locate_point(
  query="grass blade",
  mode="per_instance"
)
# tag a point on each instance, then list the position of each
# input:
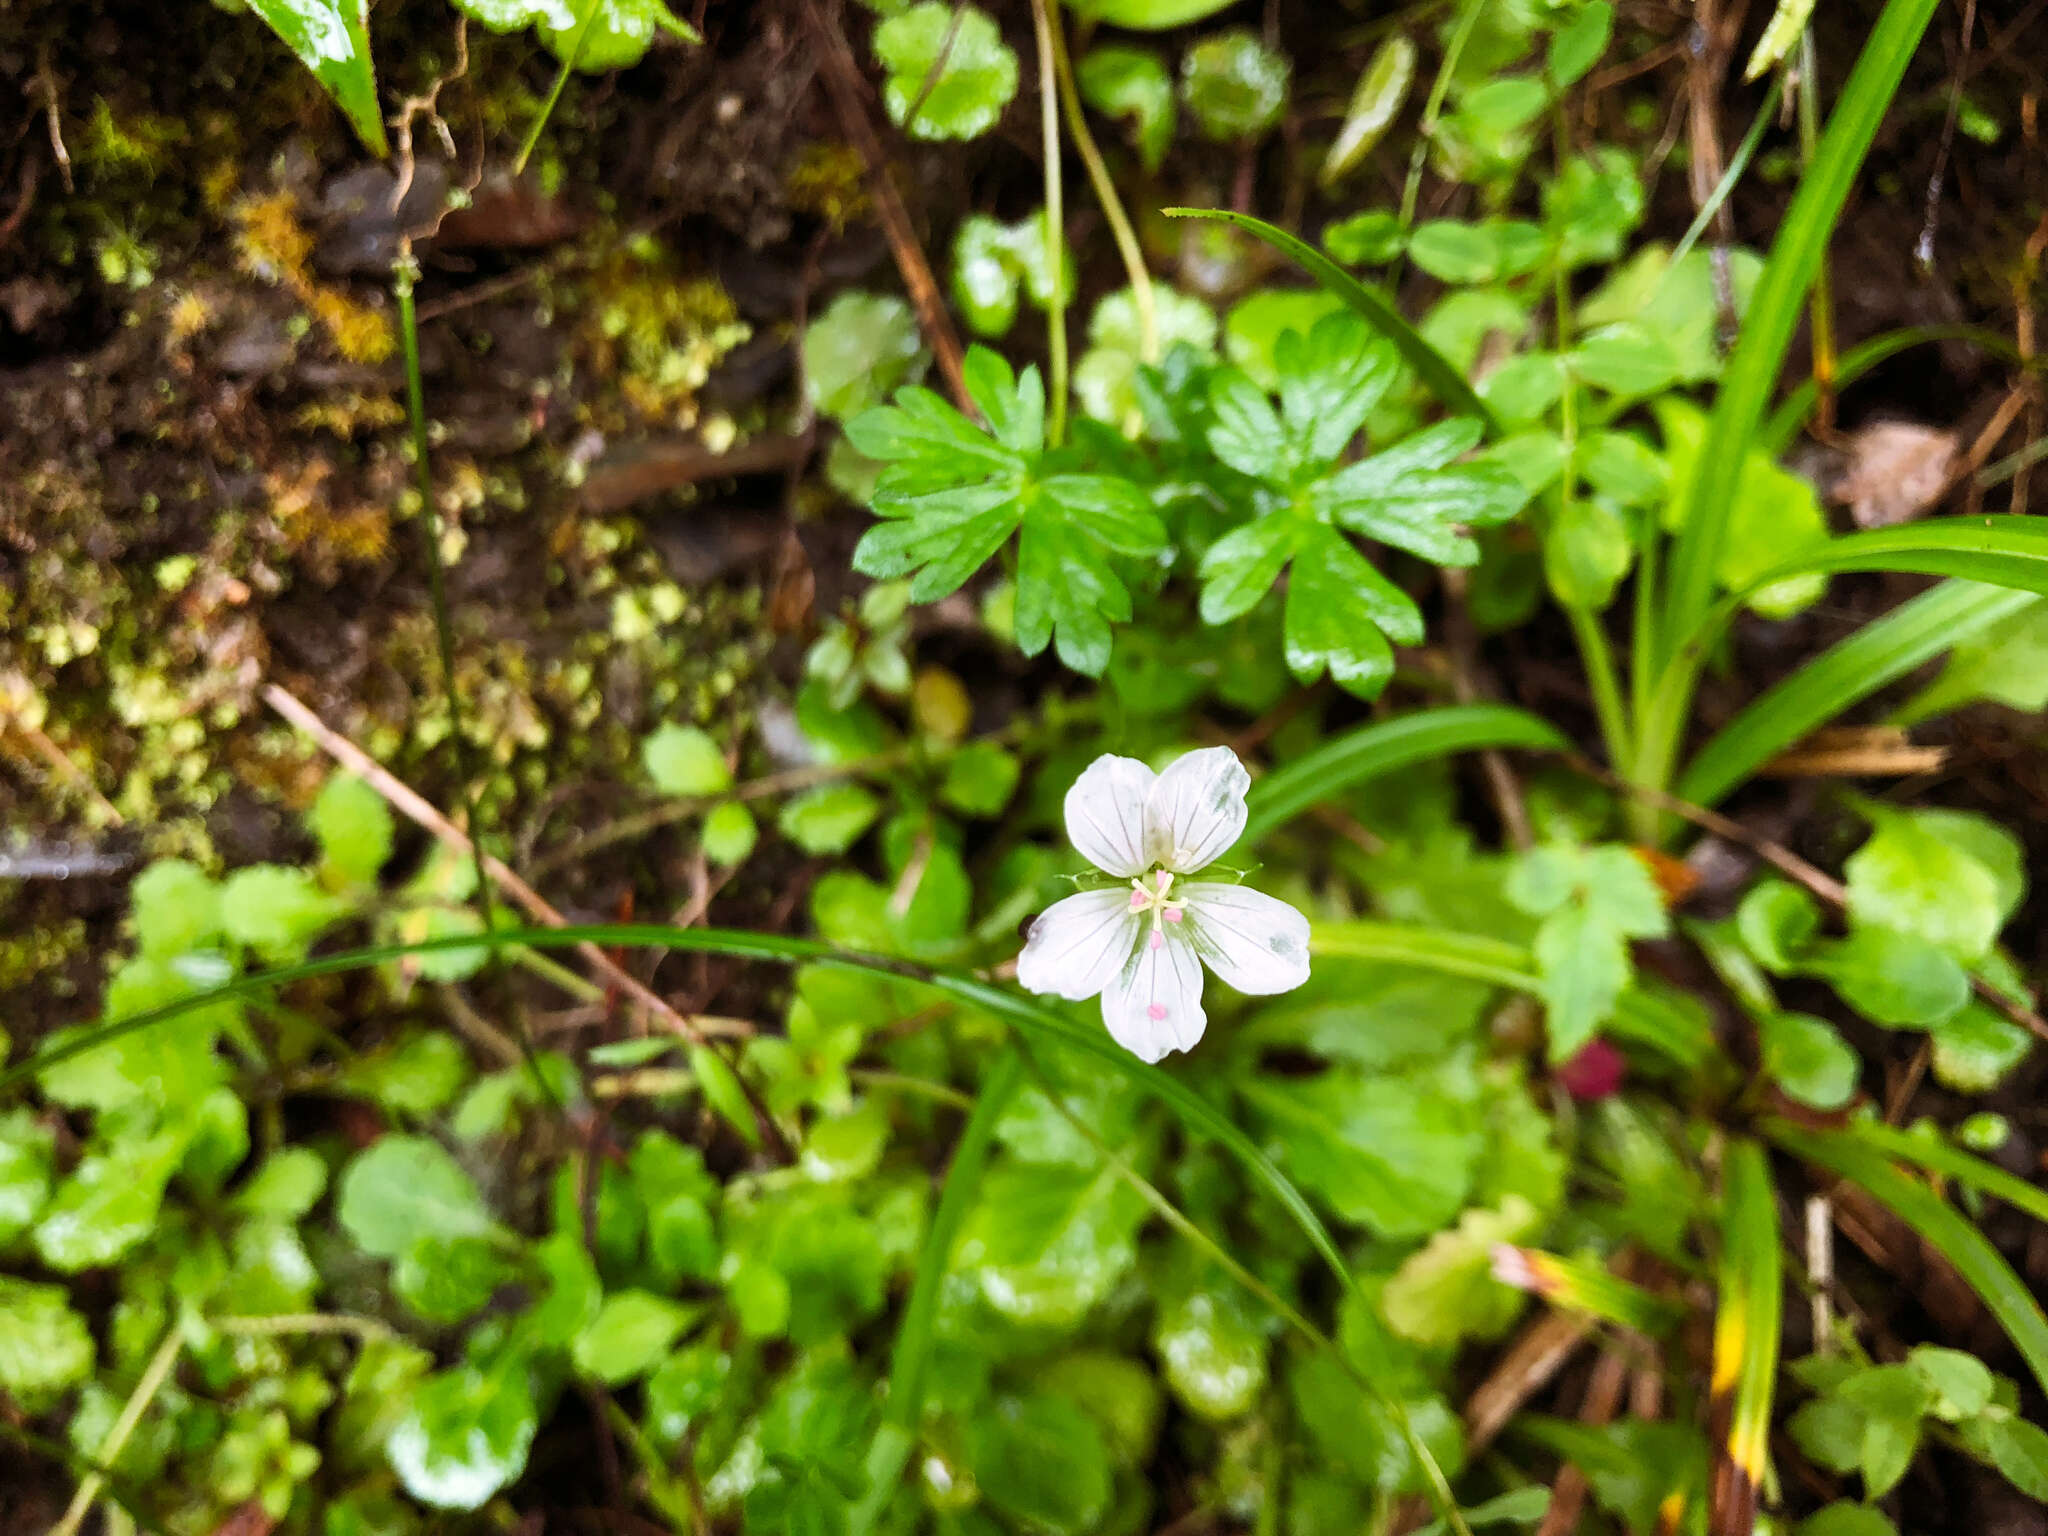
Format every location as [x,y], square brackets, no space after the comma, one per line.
[1684,1037]
[910,1360]
[1385,746]
[1777,433]
[1955,1235]
[1746,1331]
[1430,365]
[1945,1158]
[1878,654]
[1775,308]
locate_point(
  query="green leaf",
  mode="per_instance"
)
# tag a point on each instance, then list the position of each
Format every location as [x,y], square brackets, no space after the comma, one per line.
[1041,1461]
[858,352]
[1396,1152]
[1105,379]
[1210,1344]
[276,911]
[828,819]
[1438,375]
[111,1202]
[448,1278]
[1146,15]
[1047,1243]
[176,908]
[980,779]
[630,1336]
[1445,1292]
[1592,206]
[596,35]
[1961,1382]
[466,1435]
[332,39]
[1788,20]
[1340,614]
[1578,45]
[1592,902]
[951,64]
[993,262]
[1376,101]
[2020,1451]
[287,1185]
[1892,978]
[2003,658]
[1366,239]
[1118,1393]
[1915,875]
[354,829]
[1132,83]
[1845,1519]
[689,1383]
[684,761]
[1808,1058]
[404,1189]
[1359,1434]
[1234,85]
[729,834]
[1976,1047]
[416,1075]
[1587,549]
[162,1068]
[45,1347]
[26,1164]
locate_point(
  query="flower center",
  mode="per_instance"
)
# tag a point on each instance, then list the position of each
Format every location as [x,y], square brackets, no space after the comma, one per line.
[1158,900]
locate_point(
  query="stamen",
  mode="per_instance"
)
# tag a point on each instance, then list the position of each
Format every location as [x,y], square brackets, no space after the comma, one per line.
[1140,900]
[1156,940]
[1173,914]
[1156,1012]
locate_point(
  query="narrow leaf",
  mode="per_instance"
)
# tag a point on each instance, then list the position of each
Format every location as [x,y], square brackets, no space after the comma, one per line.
[332,39]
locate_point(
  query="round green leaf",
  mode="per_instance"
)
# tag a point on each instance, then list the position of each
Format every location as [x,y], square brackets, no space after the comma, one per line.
[685,761]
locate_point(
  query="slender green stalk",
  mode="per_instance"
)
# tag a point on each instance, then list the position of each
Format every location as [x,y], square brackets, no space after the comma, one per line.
[910,1360]
[1055,225]
[1744,153]
[404,275]
[1608,704]
[1433,108]
[1120,227]
[1821,308]
[547,108]
[147,1386]
[283,1324]
[1747,1325]
[1784,423]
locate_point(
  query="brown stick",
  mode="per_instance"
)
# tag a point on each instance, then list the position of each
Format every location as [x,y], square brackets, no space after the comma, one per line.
[843,83]
[408,803]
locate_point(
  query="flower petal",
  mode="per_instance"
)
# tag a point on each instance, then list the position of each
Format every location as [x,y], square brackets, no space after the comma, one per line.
[1079,943]
[1106,815]
[1196,810]
[1155,1003]
[1253,942]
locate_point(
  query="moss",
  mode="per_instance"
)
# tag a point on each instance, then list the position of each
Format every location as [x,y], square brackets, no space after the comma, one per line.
[829,182]
[654,328]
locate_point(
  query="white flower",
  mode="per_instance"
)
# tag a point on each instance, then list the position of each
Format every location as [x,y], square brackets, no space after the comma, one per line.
[1142,945]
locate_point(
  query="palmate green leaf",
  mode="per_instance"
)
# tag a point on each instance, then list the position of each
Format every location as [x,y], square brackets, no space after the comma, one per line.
[1341,614]
[332,39]
[1443,380]
[1592,901]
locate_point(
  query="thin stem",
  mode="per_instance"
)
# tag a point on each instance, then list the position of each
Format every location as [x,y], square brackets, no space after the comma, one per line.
[277,1324]
[404,274]
[547,108]
[153,1377]
[1820,306]
[1055,226]
[1425,133]
[942,1093]
[1743,154]
[1598,656]
[1120,227]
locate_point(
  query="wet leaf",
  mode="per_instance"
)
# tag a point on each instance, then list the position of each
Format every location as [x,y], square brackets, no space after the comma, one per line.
[1041,1461]
[466,1435]
[683,760]
[1132,83]
[1376,101]
[332,39]
[957,77]
[354,829]
[45,1347]
[1234,85]
[406,1189]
